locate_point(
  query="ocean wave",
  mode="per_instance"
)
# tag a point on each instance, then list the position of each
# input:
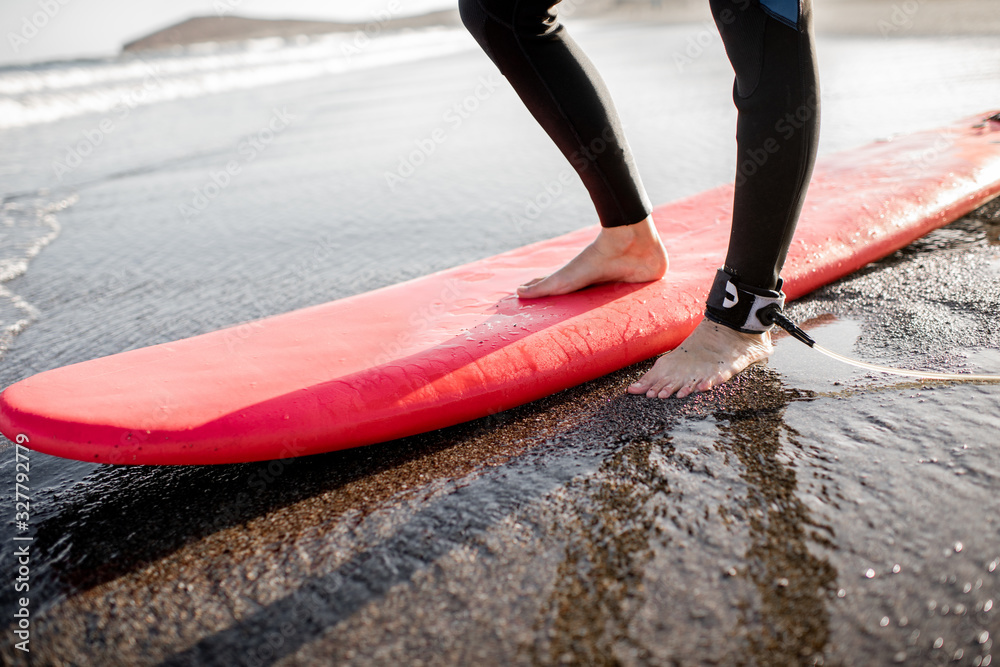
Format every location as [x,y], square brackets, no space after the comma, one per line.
[27,224]
[51,92]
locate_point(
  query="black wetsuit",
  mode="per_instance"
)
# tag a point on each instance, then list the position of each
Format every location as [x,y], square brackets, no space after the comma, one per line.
[770,45]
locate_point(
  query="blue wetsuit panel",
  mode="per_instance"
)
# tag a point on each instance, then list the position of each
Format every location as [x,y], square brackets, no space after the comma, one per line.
[786,11]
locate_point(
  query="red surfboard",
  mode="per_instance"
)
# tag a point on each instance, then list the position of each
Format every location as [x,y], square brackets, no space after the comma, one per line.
[458,344]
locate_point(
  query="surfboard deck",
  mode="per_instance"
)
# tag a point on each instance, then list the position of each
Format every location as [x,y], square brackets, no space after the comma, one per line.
[458,344]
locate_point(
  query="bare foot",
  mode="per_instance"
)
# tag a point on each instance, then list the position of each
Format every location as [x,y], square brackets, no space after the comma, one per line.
[632,254]
[708,357]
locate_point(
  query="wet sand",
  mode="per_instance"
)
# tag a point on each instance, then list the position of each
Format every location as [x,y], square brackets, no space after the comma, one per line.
[806,513]
[791,517]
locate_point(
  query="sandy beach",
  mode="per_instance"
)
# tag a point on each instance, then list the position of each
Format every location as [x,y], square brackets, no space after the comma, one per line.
[808,513]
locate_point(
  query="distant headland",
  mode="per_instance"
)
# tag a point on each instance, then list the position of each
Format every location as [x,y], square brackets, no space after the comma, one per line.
[221,29]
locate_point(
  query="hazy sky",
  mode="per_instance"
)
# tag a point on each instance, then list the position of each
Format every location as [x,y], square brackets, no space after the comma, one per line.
[35,30]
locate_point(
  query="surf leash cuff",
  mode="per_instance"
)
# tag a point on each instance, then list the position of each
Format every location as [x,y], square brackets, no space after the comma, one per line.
[738,306]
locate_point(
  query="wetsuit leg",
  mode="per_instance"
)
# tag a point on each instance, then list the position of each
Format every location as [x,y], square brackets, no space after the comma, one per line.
[566,95]
[770,45]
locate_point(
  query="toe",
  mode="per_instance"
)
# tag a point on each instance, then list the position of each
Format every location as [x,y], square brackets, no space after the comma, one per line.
[637,388]
[553,285]
[654,391]
[669,389]
[687,386]
[684,387]
[643,384]
[662,389]
[530,289]
[714,380]
[533,281]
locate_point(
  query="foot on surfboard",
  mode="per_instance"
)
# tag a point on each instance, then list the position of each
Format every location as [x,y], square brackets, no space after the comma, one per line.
[632,253]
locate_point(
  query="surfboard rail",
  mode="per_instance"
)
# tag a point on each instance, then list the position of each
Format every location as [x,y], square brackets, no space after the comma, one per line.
[458,344]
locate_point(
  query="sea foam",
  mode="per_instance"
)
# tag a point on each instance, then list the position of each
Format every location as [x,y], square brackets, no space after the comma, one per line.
[49,92]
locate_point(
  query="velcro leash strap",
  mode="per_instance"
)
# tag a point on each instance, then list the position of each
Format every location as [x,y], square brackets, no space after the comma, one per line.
[736,305]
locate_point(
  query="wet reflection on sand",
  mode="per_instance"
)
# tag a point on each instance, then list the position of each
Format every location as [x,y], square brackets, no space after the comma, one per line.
[789,621]
[615,528]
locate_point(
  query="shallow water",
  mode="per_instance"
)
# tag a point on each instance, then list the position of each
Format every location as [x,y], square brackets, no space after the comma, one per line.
[806,513]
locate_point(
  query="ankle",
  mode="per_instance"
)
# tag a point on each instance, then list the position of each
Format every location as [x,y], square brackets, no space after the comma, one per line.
[638,236]
[763,339]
